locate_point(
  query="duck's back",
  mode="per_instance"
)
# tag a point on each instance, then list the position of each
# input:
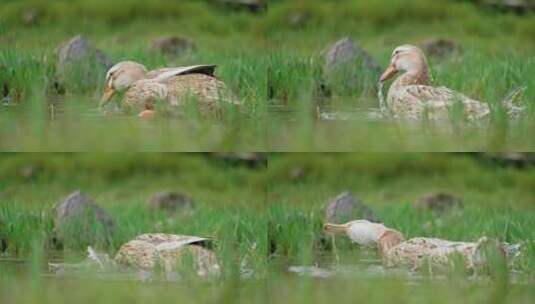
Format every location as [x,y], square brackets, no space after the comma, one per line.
[436,252]
[434,103]
[365,233]
[147,251]
[205,89]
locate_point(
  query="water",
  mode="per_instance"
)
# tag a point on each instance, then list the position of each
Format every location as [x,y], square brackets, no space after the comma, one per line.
[326,268]
[380,96]
[328,113]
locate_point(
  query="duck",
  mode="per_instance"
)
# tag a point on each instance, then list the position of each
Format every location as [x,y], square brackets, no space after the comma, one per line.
[173,86]
[419,251]
[411,96]
[362,232]
[151,251]
[148,251]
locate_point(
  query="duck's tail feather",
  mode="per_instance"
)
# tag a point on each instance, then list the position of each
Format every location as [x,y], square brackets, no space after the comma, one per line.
[513,110]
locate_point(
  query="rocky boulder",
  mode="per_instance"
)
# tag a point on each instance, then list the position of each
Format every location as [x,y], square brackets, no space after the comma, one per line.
[348,68]
[440,48]
[518,160]
[173,45]
[345,207]
[253,6]
[170,202]
[438,202]
[249,159]
[80,64]
[30,17]
[79,219]
[520,7]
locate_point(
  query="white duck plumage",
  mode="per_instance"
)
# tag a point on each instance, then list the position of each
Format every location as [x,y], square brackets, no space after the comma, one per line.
[361,232]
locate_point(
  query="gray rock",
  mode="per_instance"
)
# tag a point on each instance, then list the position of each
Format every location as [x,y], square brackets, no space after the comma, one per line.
[250,159]
[170,202]
[438,202]
[254,6]
[515,159]
[79,48]
[79,60]
[516,6]
[298,19]
[30,17]
[79,215]
[344,208]
[349,67]
[173,45]
[28,171]
[440,48]
[297,173]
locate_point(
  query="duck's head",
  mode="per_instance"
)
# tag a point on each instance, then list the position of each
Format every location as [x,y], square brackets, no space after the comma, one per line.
[389,239]
[120,77]
[407,58]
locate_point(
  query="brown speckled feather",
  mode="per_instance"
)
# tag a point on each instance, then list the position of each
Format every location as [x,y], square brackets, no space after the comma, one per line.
[412,97]
[174,91]
[207,90]
[436,252]
[147,251]
[415,101]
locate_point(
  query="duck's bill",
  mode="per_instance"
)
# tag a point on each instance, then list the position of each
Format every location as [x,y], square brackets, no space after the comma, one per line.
[334,228]
[388,73]
[108,94]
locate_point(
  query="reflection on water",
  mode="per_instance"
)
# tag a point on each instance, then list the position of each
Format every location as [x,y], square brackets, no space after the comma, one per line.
[361,270]
[327,113]
[371,114]
[326,269]
[368,266]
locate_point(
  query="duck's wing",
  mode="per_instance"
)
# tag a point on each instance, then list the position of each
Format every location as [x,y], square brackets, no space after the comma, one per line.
[437,252]
[436,101]
[166,73]
[207,90]
[172,240]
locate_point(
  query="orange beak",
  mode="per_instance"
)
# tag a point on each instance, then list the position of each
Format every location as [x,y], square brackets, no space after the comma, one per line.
[335,228]
[108,94]
[388,73]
